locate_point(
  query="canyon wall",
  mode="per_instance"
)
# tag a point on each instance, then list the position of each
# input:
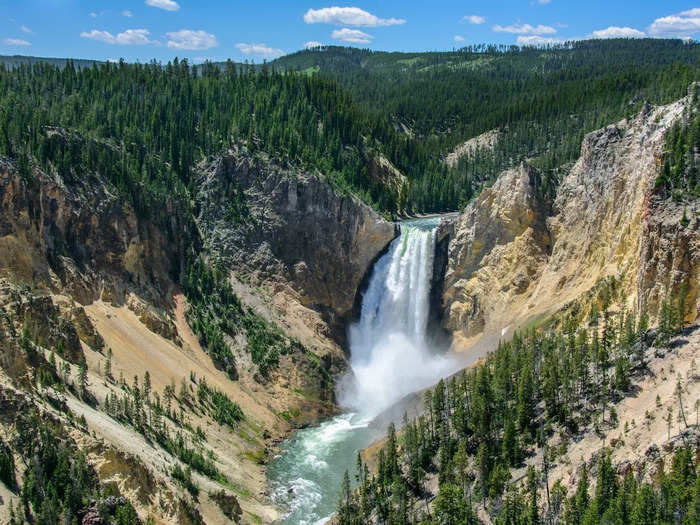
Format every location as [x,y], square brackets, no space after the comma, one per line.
[515,257]
[84,279]
[290,229]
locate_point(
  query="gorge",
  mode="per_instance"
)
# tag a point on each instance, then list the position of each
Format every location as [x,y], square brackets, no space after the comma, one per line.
[212,299]
[390,358]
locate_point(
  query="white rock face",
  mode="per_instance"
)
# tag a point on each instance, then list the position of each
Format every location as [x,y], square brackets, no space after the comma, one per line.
[512,259]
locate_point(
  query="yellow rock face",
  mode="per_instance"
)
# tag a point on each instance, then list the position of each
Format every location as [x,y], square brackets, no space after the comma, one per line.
[514,258]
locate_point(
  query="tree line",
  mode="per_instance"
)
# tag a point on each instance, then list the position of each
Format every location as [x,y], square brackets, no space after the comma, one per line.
[481,425]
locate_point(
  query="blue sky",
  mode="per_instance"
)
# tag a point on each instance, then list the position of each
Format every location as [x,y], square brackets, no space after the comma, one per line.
[255,30]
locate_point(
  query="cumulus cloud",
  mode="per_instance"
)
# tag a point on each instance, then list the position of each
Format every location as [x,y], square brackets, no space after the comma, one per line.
[474,19]
[167,5]
[459,38]
[25,29]
[535,41]
[618,32]
[352,36]
[684,24]
[130,37]
[259,50]
[525,29]
[188,39]
[16,42]
[348,16]
[312,45]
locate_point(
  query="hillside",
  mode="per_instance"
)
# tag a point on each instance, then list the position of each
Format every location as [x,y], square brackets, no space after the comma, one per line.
[544,100]
[15,61]
[577,407]
[170,393]
[413,109]
[183,249]
[605,224]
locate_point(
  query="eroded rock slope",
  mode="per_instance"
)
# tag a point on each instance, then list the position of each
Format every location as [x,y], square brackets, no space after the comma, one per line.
[514,257]
[90,304]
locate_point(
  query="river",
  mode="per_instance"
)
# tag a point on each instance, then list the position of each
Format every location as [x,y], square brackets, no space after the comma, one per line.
[390,357]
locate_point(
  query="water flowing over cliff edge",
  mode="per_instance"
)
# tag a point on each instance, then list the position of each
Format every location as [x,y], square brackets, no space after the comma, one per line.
[391,357]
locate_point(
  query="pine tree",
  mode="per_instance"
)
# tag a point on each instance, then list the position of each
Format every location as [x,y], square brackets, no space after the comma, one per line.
[83,379]
[511,451]
[578,505]
[108,365]
[606,486]
[533,515]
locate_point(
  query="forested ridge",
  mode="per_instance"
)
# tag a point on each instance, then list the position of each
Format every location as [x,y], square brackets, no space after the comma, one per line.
[331,109]
[561,379]
[144,127]
[543,100]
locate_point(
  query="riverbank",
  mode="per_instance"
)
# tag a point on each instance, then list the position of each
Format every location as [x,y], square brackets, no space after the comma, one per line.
[391,358]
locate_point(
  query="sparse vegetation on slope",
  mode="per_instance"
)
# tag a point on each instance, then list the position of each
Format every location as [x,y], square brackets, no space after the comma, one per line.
[483,424]
[215,313]
[58,484]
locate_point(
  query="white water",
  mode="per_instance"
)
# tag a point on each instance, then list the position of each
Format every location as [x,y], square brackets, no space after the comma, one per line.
[390,358]
[390,355]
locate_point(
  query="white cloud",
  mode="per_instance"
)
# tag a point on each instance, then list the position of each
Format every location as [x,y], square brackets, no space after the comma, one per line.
[312,45]
[127,13]
[618,32]
[130,37]
[259,50]
[93,15]
[189,39]
[684,24]
[167,5]
[543,2]
[16,42]
[535,41]
[459,38]
[348,16]
[25,29]
[525,29]
[474,19]
[352,36]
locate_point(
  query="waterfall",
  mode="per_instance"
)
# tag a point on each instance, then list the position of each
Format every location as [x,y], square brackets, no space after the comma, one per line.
[390,358]
[390,355]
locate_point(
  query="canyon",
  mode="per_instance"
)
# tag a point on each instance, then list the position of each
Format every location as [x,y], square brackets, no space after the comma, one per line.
[82,272]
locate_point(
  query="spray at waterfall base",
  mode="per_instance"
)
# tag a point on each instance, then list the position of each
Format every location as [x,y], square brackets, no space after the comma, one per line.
[391,354]
[391,357]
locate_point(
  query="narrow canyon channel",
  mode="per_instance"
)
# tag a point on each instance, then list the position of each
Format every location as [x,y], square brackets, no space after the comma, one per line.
[391,357]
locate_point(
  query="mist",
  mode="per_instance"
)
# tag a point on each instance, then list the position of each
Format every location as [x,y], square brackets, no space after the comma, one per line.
[390,351]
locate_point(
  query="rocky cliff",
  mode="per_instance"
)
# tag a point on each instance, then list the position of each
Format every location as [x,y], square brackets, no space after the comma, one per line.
[84,242]
[514,257]
[290,229]
[90,303]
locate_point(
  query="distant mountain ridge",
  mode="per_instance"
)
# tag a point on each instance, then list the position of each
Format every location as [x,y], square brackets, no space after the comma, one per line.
[14,61]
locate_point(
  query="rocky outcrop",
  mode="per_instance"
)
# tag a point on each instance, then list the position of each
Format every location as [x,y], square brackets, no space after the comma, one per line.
[39,320]
[496,252]
[84,242]
[513,259]
[670,256]
[485,141]
[287,228]
[381,170]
